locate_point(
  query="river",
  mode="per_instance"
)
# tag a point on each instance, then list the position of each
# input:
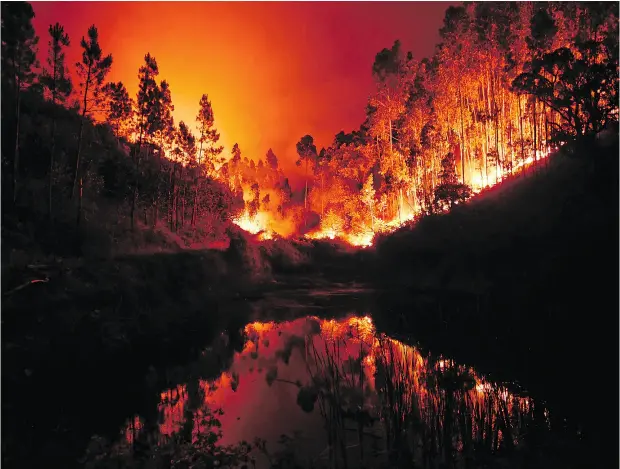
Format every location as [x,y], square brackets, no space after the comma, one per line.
[322,389]
[327,377]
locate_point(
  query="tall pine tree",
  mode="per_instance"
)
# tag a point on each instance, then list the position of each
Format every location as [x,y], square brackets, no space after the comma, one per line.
[19,49]
[57,83]
[92,70]
[119,108]
[147,95]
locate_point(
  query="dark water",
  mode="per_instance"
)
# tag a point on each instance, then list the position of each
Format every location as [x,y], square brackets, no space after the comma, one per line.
[316,392]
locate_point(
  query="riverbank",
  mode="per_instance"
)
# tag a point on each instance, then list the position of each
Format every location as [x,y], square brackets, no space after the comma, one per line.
[522,283]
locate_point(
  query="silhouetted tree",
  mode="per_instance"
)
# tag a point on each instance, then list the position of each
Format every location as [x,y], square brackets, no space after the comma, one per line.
[450,190]
[209,136]
[57,83]
[254,204]
[92,71]
[307,153]
[119,109]
[582,89]
[187,145]
[146,104]
[272,160]
[19,49]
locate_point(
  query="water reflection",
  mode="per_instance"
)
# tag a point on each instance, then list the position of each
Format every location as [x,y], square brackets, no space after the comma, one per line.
[335,393]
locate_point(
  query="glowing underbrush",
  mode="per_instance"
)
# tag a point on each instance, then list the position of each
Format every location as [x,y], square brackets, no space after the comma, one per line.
[332,226]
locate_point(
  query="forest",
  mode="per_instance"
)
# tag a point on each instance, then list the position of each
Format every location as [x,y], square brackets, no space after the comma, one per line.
[472,211]
[507,85]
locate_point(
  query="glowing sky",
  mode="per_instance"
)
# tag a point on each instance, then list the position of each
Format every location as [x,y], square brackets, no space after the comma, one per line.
[274,71]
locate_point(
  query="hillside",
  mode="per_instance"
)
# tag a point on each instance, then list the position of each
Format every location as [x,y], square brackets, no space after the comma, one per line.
[522,282]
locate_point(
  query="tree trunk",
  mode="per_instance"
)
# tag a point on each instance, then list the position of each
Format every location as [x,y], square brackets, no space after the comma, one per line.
[175,211]
[81,133]
[547,145]
[390,129]
[510,143]
[487,103]
[16,154]
[77,160]
[54,101]
[171,197]
[133,205]
[79,207]
[462,133]
[502,135]
[496,115]
[183,207]
[322,193]
[170,200]
[485,152]
[306,197]
[521,132]
[195,209]
[51,178]
[535,140]
[156,211]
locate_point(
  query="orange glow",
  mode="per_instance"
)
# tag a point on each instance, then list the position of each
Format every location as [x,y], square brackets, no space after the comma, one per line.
[255,224]
[277,71]
[273,70]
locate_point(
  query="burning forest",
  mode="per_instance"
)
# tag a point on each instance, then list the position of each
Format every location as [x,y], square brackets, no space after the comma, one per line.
[506,86]
[176,172]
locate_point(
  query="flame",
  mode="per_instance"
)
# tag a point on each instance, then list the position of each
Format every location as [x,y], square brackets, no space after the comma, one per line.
[362,232]
[364,238]
[258,224]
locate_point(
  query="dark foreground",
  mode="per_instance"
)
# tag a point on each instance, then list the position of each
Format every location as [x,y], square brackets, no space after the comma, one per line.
[73,409]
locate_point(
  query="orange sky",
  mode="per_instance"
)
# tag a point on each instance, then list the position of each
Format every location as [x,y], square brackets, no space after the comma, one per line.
[274,71]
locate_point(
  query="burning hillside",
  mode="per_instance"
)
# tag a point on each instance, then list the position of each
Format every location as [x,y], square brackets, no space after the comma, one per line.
[485,107]
[506,85]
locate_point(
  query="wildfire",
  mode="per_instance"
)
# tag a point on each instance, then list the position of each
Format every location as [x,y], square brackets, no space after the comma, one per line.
[362,240]
[478,182]
[360,230]
[258,224]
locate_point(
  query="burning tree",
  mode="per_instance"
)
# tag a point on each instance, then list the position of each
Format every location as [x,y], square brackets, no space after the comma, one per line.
[450,190]
[505,84]
[307,154]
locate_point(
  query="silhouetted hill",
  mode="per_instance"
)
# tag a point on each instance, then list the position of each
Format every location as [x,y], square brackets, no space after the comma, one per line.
[522,282]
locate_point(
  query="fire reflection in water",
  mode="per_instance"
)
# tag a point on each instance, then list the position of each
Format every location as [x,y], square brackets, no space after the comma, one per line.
[358,398]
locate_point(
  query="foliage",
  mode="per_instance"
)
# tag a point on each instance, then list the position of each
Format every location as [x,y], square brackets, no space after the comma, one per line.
[119,108]
[55,77]
[92,70]
[208,135]
[581,87]
[19,46]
